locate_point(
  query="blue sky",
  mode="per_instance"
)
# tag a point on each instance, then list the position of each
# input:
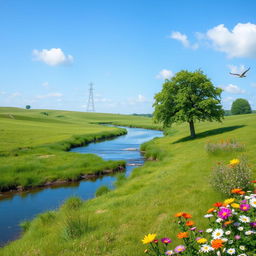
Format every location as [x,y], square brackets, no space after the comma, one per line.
[51,50]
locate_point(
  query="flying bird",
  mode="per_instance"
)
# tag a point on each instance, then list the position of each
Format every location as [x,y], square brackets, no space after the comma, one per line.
[240,75]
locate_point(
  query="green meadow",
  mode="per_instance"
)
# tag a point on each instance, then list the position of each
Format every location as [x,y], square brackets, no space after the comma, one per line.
[114,223]
[34,145]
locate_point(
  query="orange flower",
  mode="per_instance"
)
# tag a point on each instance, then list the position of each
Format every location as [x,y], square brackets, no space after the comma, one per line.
[241,193]
[182,235]
[187,215]
[218,204]
[190,223]
[228,222]
[253,181]
[236,190]
[210,210]
[179,214]
[217,243]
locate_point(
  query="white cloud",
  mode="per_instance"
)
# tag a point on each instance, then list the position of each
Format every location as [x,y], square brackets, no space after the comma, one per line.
[139,99]
[164,74]
[45,84]
[49,95]
[239,42]
[236,69]
[234,89]
[183,39]
[52,57]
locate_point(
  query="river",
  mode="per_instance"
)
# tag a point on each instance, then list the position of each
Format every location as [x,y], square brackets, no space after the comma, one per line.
[25,206]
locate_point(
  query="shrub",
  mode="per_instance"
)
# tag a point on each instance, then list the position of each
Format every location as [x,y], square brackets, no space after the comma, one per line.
[73,203]
[231,230]
[224,145]
[25,225]
[240,106]
[236,174]
[74,226]
[102,190]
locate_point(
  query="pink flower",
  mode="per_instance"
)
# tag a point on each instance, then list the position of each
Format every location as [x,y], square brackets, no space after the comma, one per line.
[166,240]
[180,248]
[224,213]
[244,207]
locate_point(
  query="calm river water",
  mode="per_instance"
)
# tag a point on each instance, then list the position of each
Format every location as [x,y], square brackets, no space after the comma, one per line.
[19,207]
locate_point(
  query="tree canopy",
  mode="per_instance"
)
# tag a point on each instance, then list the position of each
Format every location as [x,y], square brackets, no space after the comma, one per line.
[28,107]
[241,106]
[187,97]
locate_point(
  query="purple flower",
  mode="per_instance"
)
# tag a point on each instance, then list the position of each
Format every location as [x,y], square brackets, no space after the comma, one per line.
[198,238]
[166,240]
[180,248]
[243,201]
[224,213]
[193,229]
[237,237]
[200,231]
[253,224]
[236,224]
[169,252]
[245,207]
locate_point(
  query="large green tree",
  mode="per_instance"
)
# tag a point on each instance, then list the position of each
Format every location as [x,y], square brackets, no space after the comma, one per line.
[187,97]
[241,106]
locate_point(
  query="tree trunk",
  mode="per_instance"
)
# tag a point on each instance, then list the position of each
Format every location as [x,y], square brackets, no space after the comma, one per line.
[192,129]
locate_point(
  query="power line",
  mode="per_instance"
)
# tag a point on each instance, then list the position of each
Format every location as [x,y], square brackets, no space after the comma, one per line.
[90,105]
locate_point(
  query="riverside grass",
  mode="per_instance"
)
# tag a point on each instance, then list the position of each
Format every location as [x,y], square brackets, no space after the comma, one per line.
[148,200]
[34,144]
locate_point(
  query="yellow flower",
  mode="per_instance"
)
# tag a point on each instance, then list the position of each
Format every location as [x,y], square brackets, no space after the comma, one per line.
[229,201]
[234,205]
[234,162]
[202,240]
[149,238]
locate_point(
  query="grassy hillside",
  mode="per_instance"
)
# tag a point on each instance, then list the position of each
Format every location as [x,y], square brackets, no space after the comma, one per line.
[34,144]
[115,223]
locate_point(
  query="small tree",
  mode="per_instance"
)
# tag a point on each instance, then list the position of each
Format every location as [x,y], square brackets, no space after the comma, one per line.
[28,107]
[241,106]
[187,97]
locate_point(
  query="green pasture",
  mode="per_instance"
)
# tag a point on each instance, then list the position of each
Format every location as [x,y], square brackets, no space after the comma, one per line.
[115,223]
[34,144]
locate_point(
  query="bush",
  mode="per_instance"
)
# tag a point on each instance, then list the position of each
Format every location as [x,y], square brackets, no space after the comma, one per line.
[74,227]
[224,145]
[236,174]
[102,190]
[25,225]
[241,106]
[73,203]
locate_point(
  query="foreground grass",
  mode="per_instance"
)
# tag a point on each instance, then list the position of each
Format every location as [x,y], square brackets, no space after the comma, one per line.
[34,144]
[115,223]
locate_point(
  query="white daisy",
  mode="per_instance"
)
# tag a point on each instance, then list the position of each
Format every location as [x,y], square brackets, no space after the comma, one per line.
[231,251]
[249,232]
[228,232]
[208,230]
[217,233]
[224,239]
[230,242]
[241,247]
[206,248]
[243,254]
[240,228]
[208,215]
[244,219]
[253,202]
[219,220]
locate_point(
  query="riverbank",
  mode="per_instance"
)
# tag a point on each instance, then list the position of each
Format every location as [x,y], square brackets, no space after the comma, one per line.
[146,201]
[35,144]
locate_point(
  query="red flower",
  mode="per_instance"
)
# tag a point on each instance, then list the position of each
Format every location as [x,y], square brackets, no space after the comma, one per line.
[218,204]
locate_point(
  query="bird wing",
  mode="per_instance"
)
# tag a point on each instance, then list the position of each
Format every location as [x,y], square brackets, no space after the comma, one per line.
[234,74]
[245,72]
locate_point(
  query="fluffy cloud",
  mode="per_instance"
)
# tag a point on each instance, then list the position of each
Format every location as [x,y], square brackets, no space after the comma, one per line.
[52,57]
[139,99]
[49,95]
[239,42]
[183,39]
[164,74]
[234,89]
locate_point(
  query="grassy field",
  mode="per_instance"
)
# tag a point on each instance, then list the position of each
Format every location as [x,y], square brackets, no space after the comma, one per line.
[34,144]
[114,223]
